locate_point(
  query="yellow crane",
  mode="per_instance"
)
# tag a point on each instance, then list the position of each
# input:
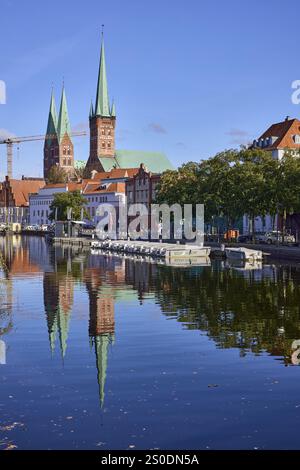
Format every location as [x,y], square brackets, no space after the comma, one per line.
[10,141]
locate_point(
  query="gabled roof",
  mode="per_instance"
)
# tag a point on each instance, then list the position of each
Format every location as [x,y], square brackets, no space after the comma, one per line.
[22,188]
[156,162]
[284,133]
[92,188]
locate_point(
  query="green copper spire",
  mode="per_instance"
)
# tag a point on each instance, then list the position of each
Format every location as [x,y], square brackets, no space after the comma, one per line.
[113,110]
[102,343]
[91,110]
[63,126]
[63,320]
[102,101]
[52,120]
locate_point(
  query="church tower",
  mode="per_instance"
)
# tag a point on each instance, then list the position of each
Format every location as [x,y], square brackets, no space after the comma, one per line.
[51,140]
[58,147]
[66,148]
[102,120]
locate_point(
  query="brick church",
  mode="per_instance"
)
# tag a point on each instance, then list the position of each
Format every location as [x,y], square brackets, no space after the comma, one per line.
[103,155]
[58,147]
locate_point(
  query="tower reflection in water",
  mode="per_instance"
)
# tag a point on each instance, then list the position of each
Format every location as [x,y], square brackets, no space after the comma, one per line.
[101,324]
[58,286]
[253,311]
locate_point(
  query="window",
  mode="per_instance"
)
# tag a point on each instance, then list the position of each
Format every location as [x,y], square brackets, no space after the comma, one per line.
[64,162]
[93,211]
[109,145]
[103,145]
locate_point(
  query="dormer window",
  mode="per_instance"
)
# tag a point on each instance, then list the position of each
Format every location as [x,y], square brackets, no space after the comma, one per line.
[296,139]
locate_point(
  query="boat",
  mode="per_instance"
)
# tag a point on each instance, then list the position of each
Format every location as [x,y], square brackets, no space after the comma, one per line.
[243,254]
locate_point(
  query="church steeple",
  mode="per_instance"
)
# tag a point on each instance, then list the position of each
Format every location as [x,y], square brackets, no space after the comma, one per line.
[91,110]
[63,126]
[113,110]
[52,120]
[51,139]
[102,121]
[102,100]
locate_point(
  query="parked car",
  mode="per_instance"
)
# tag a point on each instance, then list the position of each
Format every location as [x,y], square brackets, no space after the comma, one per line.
[274,237]
[246,238]
[260,237]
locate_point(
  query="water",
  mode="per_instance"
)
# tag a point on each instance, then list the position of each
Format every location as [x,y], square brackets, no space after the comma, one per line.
[99,352]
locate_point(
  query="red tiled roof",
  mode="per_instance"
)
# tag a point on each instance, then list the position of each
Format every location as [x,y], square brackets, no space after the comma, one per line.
[116,173]
[284,131]
[93,188]
[22,188]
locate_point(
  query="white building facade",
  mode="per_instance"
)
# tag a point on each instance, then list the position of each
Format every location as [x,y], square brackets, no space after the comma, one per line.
[95,194]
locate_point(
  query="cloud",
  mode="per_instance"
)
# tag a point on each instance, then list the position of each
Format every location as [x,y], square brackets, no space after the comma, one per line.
[181,145]
[157,128]
[239,136]
[234,132]
[4,134]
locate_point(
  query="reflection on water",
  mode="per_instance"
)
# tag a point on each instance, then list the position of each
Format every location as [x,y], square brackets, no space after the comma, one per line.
[252,309]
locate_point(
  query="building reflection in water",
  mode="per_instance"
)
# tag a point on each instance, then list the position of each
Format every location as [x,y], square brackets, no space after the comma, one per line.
[253,310]
[58,301]
[15,261]
[101,323]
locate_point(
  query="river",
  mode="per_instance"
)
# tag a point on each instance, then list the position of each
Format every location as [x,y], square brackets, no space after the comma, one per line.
[102,352]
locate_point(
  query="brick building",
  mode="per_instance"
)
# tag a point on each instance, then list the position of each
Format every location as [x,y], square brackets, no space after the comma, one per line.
[14,198]
[141,189]
[58,147]
[103,154]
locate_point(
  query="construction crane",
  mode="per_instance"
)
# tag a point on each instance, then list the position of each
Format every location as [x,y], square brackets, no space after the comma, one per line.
[10,141]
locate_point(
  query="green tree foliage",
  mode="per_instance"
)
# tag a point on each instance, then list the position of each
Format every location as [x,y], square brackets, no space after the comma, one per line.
[68,200]
[57,175]
[236,182]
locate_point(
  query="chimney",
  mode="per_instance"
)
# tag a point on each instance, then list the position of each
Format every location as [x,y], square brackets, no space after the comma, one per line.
[287,118]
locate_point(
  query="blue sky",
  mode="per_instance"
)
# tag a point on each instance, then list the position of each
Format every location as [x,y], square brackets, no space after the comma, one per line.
[189,78]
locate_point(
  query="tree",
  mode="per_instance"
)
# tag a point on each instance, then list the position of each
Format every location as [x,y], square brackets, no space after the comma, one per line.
[178,186]
[69,200]
[287,187]
[237,182]
[256,175]
[57,175]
